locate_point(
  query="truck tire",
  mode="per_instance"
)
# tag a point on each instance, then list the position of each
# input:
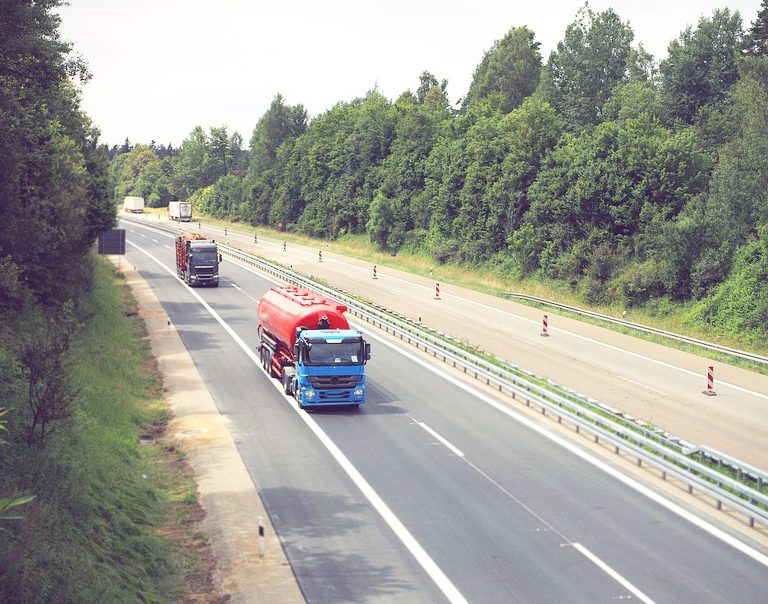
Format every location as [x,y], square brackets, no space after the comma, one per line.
[287,386]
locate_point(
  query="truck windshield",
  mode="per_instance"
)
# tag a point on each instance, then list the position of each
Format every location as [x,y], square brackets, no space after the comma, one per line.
[204,258]
[343,353]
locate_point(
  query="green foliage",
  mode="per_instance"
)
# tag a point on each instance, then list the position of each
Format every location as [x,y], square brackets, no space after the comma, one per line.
[756,40]
[594,56]
[739,305]
[511,67]
[591,169]
[700,67]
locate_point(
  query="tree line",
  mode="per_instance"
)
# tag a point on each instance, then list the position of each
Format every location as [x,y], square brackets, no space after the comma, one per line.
[632,179]
[55,198]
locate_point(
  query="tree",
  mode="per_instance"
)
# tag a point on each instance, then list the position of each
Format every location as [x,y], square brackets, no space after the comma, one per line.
[192,168]
[700,67]
[592,58]
[49,394]
[512,67]
[756,40]
[427,82]
[279,123]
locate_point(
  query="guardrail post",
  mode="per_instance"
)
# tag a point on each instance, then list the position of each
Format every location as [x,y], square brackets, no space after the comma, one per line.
[545,327]
[710,391]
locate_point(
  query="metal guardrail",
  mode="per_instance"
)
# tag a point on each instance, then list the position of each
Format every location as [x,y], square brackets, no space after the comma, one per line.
[750,356]
[653,447]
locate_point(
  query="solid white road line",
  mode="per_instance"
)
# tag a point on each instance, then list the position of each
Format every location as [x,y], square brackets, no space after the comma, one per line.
[236,287]
[588,457]
[398,528]
[616,576]
[440,438]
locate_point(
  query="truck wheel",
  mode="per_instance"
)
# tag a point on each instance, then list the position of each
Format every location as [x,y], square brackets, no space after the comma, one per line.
[288,386]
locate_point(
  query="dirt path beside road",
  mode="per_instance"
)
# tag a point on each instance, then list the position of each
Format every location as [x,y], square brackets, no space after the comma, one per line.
[226,491]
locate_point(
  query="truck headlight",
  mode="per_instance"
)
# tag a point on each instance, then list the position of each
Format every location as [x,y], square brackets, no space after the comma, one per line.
[358,392]
[309,395]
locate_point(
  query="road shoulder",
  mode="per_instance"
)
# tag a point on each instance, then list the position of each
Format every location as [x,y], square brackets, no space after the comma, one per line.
[226,491]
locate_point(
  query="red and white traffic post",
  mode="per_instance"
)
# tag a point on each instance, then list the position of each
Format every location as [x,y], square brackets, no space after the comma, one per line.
[545,327]
[437,291]
[710,391]
[374,272]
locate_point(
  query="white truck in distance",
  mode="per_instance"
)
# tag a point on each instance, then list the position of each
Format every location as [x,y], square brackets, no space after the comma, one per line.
[134,205]
[181,211]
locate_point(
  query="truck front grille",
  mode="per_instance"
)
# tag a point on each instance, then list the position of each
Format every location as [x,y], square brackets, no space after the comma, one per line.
[335,382]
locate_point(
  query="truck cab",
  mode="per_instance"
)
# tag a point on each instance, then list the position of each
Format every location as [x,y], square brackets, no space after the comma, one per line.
[197,259]
[329,366]
[203,260]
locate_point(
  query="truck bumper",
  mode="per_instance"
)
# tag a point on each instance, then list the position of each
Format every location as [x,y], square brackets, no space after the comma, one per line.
[330,398]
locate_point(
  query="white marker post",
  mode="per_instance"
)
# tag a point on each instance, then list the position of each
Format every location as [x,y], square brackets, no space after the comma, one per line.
[261,537]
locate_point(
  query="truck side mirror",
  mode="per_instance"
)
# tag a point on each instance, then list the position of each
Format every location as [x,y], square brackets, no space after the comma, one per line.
[219,257]
[296,350]
[367,351]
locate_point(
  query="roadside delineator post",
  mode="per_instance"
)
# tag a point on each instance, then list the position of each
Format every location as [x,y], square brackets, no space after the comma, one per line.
[319,255]
[374,272]
[437,291]
[261,537]
[199,225]
[285,245]
[225,231]
[255,238]
[419,318]
[710,391]
[545,327]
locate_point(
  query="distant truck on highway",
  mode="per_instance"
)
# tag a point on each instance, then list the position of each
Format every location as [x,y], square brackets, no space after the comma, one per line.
[133,204]
[197,260]
[305,342]
[180,211]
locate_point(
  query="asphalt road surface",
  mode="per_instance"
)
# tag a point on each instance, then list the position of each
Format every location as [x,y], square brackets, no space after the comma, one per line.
[655,383]
[434,491]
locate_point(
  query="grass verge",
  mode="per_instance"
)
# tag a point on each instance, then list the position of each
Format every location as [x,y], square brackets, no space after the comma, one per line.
[113,520]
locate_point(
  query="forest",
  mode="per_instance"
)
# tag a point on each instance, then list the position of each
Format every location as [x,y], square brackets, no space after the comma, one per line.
[628,178]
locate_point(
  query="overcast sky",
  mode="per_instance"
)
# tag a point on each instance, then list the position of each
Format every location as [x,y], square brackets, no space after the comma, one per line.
[162,67]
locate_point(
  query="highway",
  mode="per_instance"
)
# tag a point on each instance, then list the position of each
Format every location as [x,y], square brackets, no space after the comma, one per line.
[435,491]
[652,382]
